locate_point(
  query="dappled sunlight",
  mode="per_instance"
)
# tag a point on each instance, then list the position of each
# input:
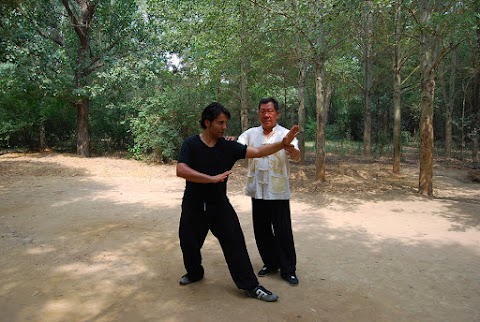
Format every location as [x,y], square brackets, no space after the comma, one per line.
[406,247]
[85,303]
[64,203]
[106,248]
[40,250]
[414,220]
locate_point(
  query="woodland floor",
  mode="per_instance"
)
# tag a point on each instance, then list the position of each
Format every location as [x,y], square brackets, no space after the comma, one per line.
[96,240]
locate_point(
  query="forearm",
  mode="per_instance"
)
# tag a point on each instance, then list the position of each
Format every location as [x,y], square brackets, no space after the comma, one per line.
[187,173]
[264,150]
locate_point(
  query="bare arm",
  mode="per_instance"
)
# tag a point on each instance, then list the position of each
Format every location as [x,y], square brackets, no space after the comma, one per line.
[184,171]
[267,149]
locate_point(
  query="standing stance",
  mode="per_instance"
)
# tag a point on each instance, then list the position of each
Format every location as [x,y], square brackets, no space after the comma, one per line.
[205,161]
[267,184]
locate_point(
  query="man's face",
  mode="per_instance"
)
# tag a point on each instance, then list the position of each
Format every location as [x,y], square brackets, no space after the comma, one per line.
[218,126]
[268,115]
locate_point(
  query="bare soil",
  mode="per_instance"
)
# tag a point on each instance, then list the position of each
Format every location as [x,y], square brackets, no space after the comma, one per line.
[96,240]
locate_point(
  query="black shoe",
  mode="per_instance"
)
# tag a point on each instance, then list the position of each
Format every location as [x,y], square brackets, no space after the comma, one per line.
[185,280]
[291,279]
[266,270]
[262,293]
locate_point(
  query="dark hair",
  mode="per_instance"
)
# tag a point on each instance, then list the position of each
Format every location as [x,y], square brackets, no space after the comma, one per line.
[268,100]
[211,112]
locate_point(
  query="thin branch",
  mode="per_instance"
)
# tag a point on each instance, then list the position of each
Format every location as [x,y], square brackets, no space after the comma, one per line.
[73,18]
[410,75]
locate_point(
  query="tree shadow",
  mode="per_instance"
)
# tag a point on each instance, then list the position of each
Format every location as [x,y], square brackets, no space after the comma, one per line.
[89,250]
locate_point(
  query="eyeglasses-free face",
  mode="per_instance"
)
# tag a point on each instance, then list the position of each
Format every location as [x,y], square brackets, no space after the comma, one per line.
[268,116]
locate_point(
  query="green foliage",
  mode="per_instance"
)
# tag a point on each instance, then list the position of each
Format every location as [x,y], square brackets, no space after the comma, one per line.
[19,113]
[310,130]
[154,135]
[162,122]
[24,109]
[141,101]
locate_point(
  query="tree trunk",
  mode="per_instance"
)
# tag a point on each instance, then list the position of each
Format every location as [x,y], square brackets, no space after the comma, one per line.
[367,125]
[301,110]
[81,26]
[43,141]
[328,101]
[321,123]
[244,65]
[449,99]
[83,141]
[386,121]
[397,84]
[426,135]
[244,94]
[285,98]
[462,126]
[476,122]
[425,185]
[397,125]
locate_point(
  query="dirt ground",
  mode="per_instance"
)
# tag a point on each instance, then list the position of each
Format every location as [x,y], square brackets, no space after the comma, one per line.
[96,240]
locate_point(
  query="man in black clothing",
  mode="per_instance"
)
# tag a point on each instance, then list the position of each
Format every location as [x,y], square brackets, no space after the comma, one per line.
[205,161]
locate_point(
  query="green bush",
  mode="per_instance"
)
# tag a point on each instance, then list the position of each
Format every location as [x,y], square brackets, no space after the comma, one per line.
[156,134]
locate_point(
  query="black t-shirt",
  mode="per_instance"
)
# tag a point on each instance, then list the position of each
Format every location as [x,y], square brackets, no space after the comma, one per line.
[212,161]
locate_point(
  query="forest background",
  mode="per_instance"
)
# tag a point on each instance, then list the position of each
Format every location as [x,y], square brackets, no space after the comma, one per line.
[364,77]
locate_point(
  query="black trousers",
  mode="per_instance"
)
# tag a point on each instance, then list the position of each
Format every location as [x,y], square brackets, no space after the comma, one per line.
[272,226]
[220,218]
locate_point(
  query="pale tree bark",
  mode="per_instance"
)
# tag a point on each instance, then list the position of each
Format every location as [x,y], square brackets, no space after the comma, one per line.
[425,185]
[448,93]
[397,84]
[328,91]
[301,109]
[476,125]
[286,115]
[428,63]
[244,93]
[244,61]
[368,84]
[465,83]
[321,118]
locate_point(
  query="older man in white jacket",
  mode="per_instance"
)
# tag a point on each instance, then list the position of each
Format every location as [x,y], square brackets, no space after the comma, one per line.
[268,186]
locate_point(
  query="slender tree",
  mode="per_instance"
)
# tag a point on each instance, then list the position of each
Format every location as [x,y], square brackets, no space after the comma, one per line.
[368,82]
[244,65]
[448,94]
[430,57]
[302,75]
[397,88]
[475,135]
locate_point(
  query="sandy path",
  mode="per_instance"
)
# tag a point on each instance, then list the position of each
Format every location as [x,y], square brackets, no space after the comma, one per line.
[96,240]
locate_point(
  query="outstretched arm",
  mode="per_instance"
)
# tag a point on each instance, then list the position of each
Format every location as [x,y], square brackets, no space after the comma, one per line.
[184,171]
[267,149]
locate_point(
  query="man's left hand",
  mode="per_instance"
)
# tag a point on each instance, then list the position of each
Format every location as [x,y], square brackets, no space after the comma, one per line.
[290,135]
[230,138]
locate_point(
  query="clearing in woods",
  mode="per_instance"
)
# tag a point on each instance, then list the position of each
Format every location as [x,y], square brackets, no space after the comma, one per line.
[96,240]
